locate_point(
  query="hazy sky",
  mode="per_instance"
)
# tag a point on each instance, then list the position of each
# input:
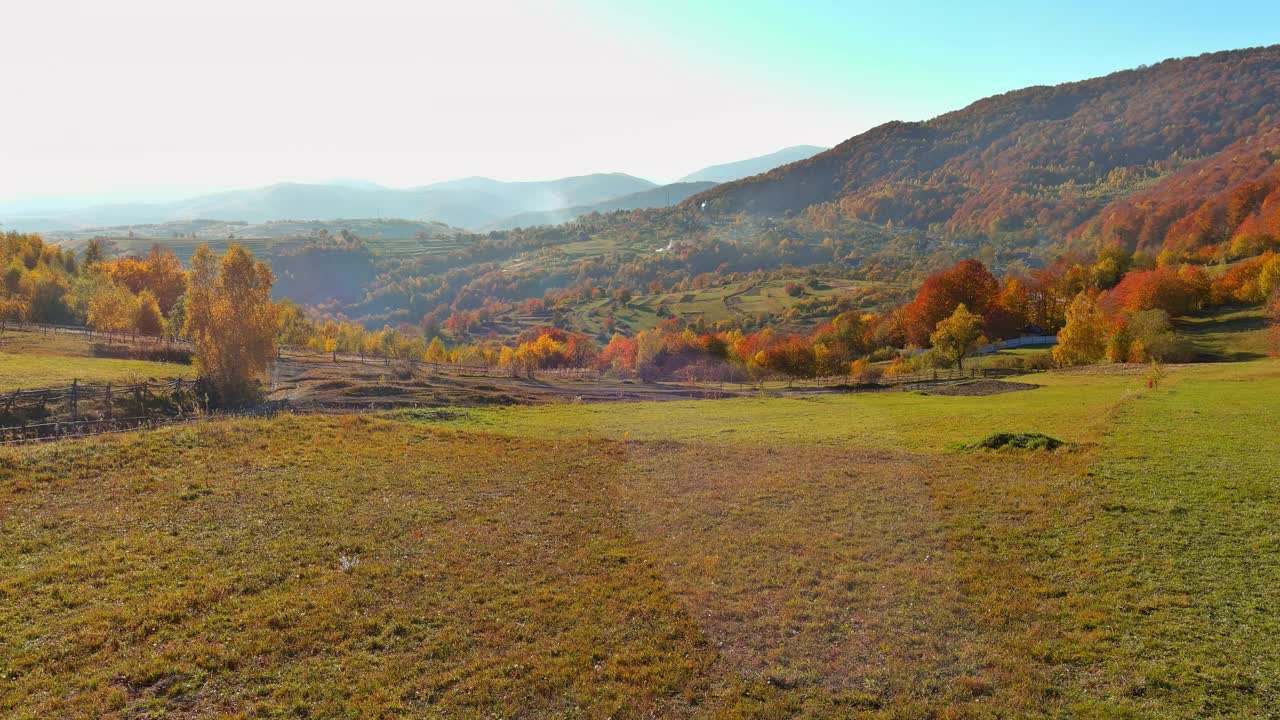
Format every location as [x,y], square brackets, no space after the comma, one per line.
[175,96]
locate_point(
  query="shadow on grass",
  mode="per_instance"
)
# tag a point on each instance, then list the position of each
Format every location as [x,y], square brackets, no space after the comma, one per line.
[1218,337]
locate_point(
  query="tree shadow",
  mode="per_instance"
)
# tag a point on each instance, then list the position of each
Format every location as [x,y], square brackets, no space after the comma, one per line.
[1210,335]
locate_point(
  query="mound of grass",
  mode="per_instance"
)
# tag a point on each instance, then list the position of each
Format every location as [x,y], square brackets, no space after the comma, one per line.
[1018,441]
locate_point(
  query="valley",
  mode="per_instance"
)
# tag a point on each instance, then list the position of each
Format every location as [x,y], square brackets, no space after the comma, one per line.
[966,417]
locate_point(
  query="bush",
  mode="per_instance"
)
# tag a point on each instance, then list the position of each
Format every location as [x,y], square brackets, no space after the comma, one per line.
[1018,441]
[883,354]
[155,353]
[864,373]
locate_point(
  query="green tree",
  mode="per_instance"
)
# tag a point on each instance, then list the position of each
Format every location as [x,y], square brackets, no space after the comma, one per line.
[93,253]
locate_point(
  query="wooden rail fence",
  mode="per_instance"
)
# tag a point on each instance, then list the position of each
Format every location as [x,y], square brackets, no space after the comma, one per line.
[921,377]
[80,409]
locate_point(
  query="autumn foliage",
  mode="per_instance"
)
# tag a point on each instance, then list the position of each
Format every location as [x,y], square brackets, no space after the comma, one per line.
[230,319]
[968,283]
[1083,340]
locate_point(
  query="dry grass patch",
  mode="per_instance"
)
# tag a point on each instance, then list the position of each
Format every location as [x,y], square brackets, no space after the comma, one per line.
[857,583]
[332,567]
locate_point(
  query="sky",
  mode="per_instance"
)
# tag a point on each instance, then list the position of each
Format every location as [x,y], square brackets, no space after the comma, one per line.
[158,99]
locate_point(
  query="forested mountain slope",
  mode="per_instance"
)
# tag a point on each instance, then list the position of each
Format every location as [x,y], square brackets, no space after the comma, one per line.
[1044,162]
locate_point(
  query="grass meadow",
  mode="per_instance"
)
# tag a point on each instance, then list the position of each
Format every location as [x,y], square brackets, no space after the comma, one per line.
[38,360]
[833,556]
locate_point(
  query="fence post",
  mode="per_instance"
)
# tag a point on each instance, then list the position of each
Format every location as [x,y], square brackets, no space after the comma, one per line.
[110,416]
[74,399]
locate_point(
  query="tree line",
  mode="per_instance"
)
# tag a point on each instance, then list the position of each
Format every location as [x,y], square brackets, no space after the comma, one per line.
[1116,306]
[222,305]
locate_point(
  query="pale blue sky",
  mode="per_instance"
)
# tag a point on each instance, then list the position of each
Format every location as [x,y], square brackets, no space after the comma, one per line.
[154,96]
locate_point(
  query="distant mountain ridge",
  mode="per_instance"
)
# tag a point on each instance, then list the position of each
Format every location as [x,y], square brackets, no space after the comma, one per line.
[663,195]
[469,202]
[390,228]
[660,196]
[473,202]
[731,171]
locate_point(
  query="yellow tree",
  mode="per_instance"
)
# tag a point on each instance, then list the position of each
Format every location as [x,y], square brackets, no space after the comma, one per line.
[956,336]
[326,338]
[351,339]
[1083,340]
[147,318]
[112,309]
[371,344]
[11,310]
[164,277]
[293,327]
[230,319]
[436,351]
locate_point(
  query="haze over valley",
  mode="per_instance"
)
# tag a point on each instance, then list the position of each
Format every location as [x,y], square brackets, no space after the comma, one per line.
[472,203]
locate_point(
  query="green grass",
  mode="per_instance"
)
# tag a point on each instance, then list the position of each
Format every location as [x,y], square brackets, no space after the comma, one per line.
[18,371]
[762,557]
[1011,357]
[1227,334]
[37,360]
[1183,573]
[202,570]
[1073,407]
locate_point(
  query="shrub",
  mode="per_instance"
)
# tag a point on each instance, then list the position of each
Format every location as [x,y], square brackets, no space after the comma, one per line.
[1018,441]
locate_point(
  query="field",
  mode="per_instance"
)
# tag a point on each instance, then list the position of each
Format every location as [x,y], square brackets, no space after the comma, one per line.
[731,301]
[833,556]
[1238,333]
[392,238]
[38,360]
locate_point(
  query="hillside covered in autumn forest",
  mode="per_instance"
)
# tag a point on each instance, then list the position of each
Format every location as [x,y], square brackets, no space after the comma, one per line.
[1132,157]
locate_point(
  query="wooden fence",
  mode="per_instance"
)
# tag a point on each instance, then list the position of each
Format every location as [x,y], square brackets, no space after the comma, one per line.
[1017,342]
[81,409]
[494,371]
[946,375]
